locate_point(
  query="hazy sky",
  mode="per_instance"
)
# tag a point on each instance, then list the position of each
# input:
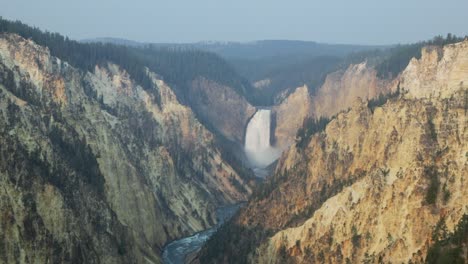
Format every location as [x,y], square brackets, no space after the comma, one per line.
[331,21]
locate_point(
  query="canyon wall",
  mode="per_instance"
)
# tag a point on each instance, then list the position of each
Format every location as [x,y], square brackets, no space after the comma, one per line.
[341,89]
[371,187]
[290,115]
[226,111]
[338,93]
[96,168]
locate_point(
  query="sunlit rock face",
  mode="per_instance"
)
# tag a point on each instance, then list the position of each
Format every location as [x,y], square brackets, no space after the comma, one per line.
[338,93]
[373,185]
[341,88]
[94,168]
[257,140]
[290,115]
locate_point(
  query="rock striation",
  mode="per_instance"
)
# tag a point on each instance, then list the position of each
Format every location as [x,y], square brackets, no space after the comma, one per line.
[221,107]
[338,93]
[289,116]
[96,169]
[374,184]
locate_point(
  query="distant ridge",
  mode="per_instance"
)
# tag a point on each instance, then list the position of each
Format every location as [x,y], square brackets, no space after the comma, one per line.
[253,49]
[116,41]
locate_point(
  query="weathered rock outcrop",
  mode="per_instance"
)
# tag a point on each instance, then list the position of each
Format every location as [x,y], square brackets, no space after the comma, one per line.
[387,159]
[341,89]
[373,185]
[96,169]
[289,116]
[439,73]
[338,93]
[221,107]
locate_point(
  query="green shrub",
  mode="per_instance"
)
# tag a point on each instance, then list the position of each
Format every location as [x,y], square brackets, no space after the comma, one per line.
[401,55]
[382,99]
[434,182]
[310,127]
[449,248]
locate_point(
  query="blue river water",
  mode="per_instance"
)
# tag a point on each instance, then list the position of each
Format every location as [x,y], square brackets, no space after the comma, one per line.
[176,251]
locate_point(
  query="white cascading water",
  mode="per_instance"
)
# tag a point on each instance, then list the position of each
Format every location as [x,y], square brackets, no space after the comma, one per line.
[257,140]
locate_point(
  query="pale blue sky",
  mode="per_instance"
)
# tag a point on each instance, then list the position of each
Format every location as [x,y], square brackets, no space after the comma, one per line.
[331,21]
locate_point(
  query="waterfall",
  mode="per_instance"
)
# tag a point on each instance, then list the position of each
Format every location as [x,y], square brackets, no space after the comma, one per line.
[257,140]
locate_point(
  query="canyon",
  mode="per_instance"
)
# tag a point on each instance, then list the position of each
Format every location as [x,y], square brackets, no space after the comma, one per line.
[146,156]
[373,185]
[100,163]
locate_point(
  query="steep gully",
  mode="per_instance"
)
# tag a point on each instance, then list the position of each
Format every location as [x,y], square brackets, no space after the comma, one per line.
[260,153]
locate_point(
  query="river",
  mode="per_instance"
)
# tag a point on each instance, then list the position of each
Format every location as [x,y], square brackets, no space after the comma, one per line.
[261,154]
[176,251]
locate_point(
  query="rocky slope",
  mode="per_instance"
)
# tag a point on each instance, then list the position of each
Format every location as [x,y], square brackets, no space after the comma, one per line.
[97,169]
[338,92]
[341,88]
[289,116]
[373,185]
[221,107]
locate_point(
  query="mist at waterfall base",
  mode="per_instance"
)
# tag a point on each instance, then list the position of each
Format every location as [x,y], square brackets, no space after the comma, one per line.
[257,142]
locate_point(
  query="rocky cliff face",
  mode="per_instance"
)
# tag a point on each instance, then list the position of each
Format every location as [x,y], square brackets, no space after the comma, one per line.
[338,93]
[220,106]
[289,116]
[439,73]
[341,89]
[373,185]
[97,169]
